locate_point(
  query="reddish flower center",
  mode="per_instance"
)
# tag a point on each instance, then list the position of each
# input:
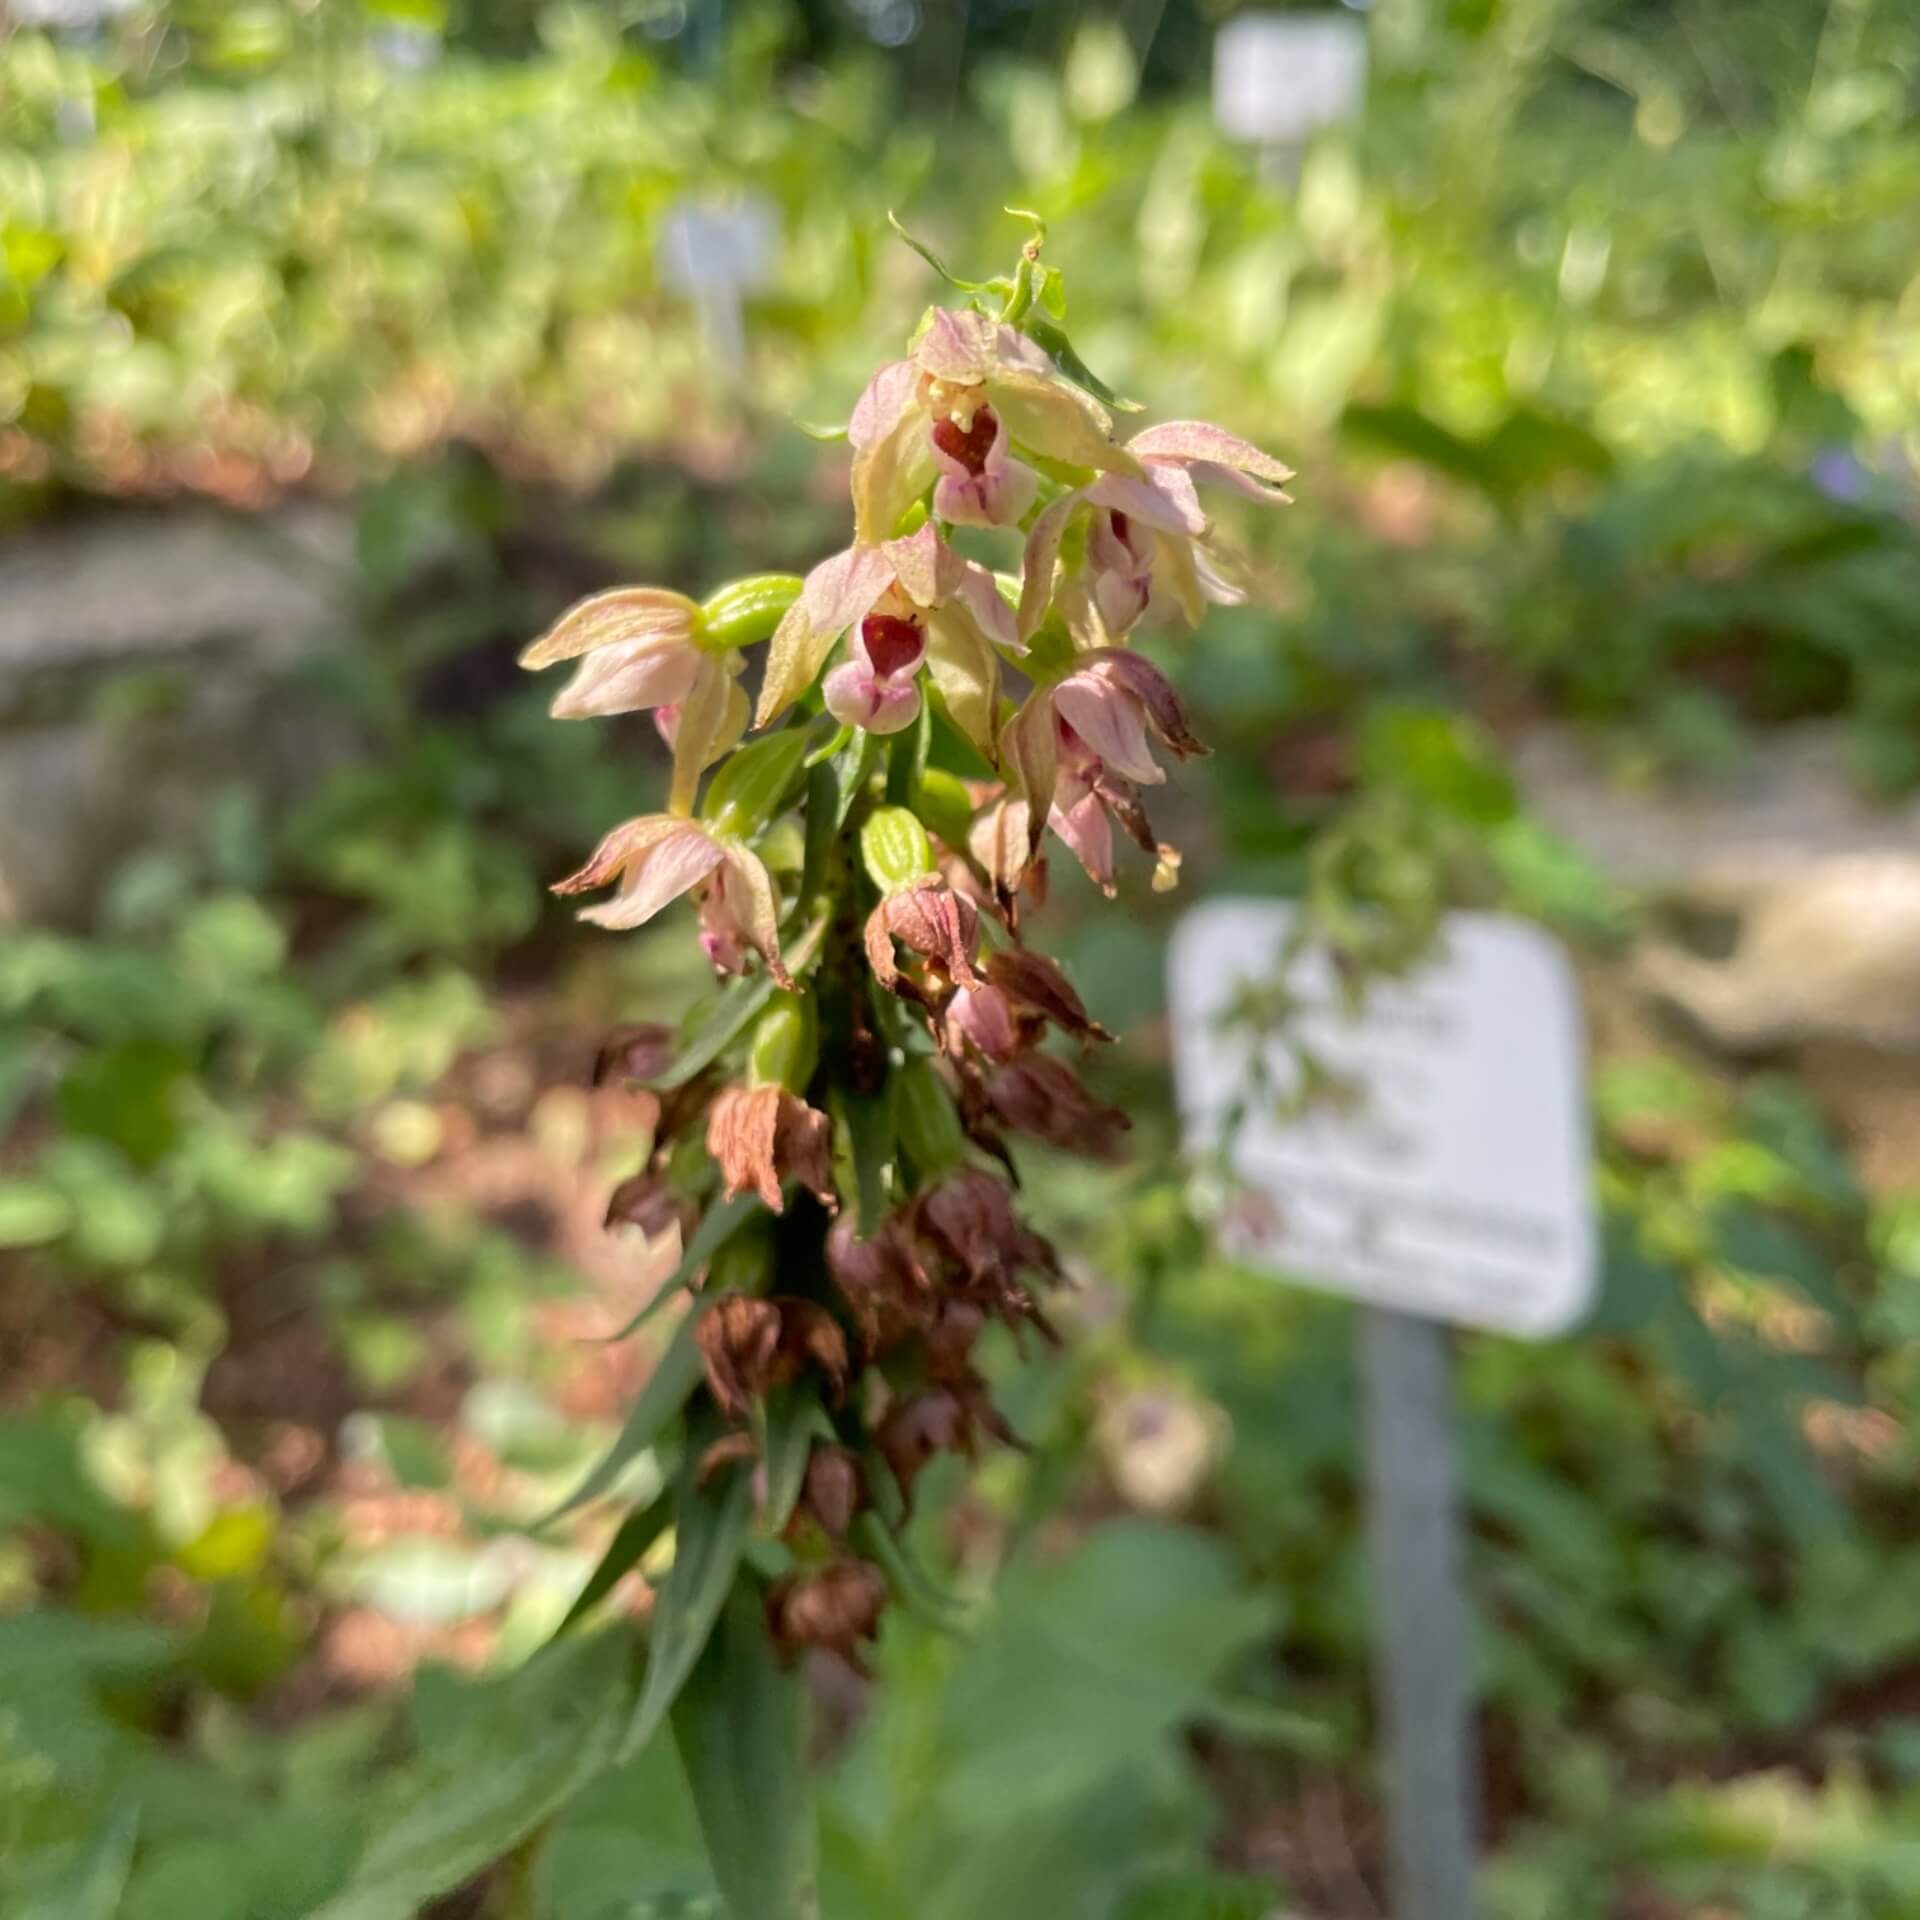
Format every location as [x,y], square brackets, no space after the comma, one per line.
[892,643]
[1122,526]
[968,445]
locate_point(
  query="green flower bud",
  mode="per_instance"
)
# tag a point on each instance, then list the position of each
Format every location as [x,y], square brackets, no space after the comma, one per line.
[925,1119]
[745,612]
[785,1047]
[895,848]
[943,804]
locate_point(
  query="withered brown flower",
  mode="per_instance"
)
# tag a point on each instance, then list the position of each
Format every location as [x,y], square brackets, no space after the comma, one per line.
[650,1202]
[761,1135]
[749,1346]
[834,1608]
[880,1279]
[1036,985]
[635,1052]
[968,1218]
[1041,1095]
[834,1490]
[929,919]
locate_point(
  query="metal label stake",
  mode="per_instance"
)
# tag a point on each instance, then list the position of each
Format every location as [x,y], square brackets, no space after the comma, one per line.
[1454,1192]
[1419,1619]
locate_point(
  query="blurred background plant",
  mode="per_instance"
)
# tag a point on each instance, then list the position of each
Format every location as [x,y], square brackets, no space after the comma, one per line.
[341,345]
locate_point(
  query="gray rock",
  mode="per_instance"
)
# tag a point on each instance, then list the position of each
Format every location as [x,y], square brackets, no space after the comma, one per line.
[145,661]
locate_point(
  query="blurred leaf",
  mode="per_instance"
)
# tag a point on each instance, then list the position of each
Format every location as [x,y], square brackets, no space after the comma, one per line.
[710,1534]
[533,1743]
[740,1723]
[93,1887]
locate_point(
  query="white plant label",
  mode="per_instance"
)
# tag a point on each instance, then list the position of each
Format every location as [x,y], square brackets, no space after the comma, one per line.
[1447,1172]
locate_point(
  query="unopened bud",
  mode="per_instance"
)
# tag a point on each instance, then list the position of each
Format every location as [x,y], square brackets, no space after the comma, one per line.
[895,848]
[746,611]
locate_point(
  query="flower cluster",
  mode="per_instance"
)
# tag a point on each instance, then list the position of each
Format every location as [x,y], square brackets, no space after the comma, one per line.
[835,1131]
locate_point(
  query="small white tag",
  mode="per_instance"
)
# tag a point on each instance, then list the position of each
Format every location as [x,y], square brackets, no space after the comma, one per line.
[1448,1173]
[1277,77]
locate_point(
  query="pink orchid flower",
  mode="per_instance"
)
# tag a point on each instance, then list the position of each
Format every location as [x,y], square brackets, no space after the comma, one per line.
[1083,747]
[949,415]
[1149,545]
[658,858]
[908,603]
[640,648]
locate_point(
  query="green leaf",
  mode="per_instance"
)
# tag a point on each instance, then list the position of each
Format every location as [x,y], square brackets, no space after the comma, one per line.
[715,1521]
[907,758]
[793,1418]
[32,1213]
[933,260]
[740,1724]
[863,1150]
[725,1019]
[717,1226]
[473,1797]
[1054,339]
[1203,1896]
[91,1889]
[628,1547]
[831,792]
[675,1375]
[756,780]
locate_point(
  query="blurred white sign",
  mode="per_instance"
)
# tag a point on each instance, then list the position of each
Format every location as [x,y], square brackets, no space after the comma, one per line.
[1447,1174]
[1277,77]
[714,252]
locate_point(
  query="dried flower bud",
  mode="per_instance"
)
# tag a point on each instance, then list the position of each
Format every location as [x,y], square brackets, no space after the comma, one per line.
[835,1489]
[1042,1096]
[969,1219]
[1036,985]
[880,1280]
[835,1609]
[750,1346]
[636,1052]
[982,1018]
[739,1341]
[931,920]
[913,1432]
[762,1135]
[648,1201]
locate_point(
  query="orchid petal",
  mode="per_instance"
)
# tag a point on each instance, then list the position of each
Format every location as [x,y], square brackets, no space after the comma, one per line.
[958,345]
[757,906]
[1111,722]
[842,590]
[672,863]
[603,619]
[701,736]
[1030,751]
[1043,550]
[1083,824]
[838,592]
[1057,421]
[629,676]
[925,567]
[1196,440]
[1164,500]
[890,395]
[976,591]
[890,475]
[967,672]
